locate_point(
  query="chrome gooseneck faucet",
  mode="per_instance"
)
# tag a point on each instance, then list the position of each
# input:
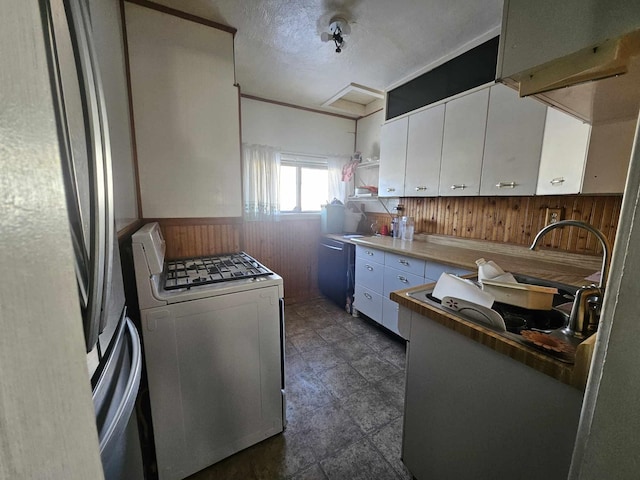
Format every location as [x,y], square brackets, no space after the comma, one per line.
[585,312]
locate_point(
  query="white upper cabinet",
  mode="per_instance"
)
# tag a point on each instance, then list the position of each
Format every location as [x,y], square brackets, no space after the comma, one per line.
[553,49]
[424,151]
[393,155]
[535,33]
[465,122]
[515,127]
[608,157]
[564,151]
[578,158]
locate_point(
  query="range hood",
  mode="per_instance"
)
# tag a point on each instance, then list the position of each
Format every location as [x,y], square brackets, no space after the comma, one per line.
[599,84]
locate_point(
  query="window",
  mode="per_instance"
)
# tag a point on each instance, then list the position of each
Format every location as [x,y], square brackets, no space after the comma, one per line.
[304,183]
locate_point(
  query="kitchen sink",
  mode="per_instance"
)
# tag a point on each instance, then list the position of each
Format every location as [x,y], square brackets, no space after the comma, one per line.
[516,319]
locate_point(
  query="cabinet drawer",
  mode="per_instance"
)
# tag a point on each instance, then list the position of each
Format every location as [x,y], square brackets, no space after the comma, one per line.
[368,302]
[369,274]
[371,254]
[433,270]
[398,280]
[411,265]
[390,315]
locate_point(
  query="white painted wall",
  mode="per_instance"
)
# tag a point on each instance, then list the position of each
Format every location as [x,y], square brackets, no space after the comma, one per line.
[107,34]
[295,130]
[186,116]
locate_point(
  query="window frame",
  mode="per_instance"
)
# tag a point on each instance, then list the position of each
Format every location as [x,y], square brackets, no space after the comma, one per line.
[300,161]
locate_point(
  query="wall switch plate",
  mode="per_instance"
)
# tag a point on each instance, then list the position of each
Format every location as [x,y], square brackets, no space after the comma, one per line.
[553,215]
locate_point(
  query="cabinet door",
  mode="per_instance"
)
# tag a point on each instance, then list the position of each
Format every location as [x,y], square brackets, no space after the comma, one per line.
[399,280]
[390,315]
[564,150]
[368,302]
[535,33]
[393,155]
[424,151]
[406,264]
[370,254]
[608,158]
[465,121]
[433,270]
[369,274]
[513,143]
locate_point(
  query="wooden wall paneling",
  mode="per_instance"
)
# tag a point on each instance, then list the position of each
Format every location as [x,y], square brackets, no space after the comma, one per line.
[516,219]
[290,248]
[196,237]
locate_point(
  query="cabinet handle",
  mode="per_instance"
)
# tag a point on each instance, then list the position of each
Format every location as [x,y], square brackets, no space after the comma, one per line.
[557,181]
[462,186]
[403,279]
[369,253]
[506,184]
[421,189]
[367,295]
[391,189]
[403,262]
[369,267]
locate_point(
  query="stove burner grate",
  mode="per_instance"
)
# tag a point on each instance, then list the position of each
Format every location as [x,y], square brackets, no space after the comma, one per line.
[207,270]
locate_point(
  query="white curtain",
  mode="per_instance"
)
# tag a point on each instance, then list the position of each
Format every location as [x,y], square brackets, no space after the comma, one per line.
[337,187]
[261,172]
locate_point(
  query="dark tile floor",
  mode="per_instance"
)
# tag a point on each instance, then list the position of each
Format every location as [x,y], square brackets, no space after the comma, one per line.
[345,396]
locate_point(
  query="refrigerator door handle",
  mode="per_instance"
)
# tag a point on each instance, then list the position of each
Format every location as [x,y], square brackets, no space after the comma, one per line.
[100,160]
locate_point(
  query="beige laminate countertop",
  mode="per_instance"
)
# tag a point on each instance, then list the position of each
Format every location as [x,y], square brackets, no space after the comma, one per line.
[551,265]
[558,266]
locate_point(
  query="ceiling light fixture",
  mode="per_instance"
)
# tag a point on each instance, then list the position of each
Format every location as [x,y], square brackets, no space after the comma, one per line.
[338,28]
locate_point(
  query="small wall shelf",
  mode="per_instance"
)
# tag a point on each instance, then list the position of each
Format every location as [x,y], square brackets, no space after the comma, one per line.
[363,198]
[371,164]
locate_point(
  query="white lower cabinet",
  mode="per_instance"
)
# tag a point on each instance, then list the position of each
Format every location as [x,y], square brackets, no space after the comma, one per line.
[433,270]
[473,413]
[390,315]
[369,274]
[368,302]
[375,280]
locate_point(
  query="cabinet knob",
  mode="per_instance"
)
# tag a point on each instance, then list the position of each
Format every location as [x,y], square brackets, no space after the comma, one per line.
[461,186]
[421,189]
[369,253]
[506,184]
[557,181]
[367,295]
[403,279]
[369,267]
[391,189]
[402,261]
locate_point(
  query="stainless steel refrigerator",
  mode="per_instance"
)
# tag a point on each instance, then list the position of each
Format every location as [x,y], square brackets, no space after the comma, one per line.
[51,45]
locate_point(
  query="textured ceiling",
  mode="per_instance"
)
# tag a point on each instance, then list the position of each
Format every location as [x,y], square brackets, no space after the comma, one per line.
[279,54]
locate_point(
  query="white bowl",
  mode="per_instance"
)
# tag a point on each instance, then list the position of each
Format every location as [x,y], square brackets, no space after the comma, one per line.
[452,286]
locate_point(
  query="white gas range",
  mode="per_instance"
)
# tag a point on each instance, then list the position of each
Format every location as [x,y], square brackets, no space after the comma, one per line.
[213,334]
